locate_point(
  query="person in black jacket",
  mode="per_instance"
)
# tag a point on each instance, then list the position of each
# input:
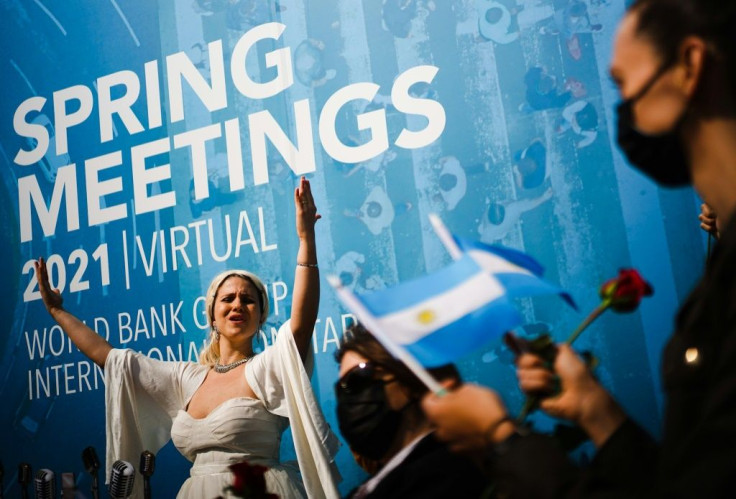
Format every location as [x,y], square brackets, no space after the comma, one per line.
[675,64]
[379,416]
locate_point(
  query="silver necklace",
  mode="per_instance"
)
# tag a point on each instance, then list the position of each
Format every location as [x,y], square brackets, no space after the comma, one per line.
[219,368]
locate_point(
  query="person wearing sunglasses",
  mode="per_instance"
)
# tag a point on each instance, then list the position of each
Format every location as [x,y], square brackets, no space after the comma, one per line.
[379,417]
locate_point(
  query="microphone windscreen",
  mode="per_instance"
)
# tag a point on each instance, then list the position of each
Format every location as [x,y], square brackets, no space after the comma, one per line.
[89,458]
[148,463]
[122,478]
[44,484]
[24,473]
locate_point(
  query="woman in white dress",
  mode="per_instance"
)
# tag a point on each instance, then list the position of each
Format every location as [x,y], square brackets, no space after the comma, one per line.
[233,405]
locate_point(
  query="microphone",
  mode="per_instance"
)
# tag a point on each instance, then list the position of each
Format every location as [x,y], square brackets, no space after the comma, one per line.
[147,466]
[24,478]
[122,478]
[44,484]
[91,464]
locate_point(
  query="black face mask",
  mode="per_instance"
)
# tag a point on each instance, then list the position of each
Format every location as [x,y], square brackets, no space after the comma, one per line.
[365,419]
[660,157]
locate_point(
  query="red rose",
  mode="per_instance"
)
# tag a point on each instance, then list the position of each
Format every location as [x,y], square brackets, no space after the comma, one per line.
[625,292]
[249,481]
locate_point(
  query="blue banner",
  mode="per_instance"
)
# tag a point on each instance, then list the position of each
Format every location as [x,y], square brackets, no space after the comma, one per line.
[146,146]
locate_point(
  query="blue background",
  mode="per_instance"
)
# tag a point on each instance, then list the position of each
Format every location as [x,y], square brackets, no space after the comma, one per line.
[592,214]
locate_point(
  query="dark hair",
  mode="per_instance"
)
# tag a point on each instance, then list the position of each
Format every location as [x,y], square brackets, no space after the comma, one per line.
[587,117]
[346,278]
[578,9]
[496,213]
[493,15]
[527,165]
[666,23]
[447,181]
[374,209]
[361,341]
[546,85]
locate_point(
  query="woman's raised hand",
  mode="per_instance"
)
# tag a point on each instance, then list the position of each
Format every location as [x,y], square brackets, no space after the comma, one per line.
[88,341]
[306,211]
[305,298]
[51,297]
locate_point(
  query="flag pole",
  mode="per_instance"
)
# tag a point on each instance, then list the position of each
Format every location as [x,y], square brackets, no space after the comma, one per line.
[372,325]
[445,237]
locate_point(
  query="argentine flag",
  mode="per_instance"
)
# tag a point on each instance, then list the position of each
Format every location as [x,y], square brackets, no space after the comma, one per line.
[440,317]
[518,273]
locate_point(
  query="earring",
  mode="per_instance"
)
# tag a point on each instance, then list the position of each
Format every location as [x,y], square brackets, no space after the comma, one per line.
[217,333]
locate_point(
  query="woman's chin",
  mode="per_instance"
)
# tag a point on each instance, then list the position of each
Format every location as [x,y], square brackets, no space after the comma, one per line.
[238,335]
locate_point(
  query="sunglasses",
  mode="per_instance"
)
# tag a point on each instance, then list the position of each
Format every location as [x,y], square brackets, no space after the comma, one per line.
[359,377]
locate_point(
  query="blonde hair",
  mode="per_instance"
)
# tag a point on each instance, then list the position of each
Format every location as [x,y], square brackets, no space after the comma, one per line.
[211,352]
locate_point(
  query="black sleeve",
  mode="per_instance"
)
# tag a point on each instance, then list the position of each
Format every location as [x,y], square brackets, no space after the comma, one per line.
[535,466]
[625,466]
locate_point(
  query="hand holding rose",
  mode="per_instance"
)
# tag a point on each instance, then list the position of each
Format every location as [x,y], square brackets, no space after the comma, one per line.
[580,399]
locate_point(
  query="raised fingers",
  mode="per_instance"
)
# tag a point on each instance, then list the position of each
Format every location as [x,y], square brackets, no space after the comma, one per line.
[306,188]
[303,193]
[51,298]
[41,274]
[304,198]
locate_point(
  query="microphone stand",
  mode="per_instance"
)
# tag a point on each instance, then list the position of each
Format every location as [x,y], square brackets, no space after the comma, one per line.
[92,464]
[24,478]
[146,468]
[95,487]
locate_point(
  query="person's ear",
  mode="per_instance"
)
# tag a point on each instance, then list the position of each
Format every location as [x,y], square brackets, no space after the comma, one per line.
[692,61]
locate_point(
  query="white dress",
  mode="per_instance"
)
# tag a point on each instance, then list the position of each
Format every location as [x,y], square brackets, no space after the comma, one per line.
[146,400]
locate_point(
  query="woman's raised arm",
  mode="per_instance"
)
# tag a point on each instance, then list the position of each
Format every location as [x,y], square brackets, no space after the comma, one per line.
[89,342]
[305,298]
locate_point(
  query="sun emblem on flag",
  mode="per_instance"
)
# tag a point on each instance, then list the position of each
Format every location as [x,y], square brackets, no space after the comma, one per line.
[426,316]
